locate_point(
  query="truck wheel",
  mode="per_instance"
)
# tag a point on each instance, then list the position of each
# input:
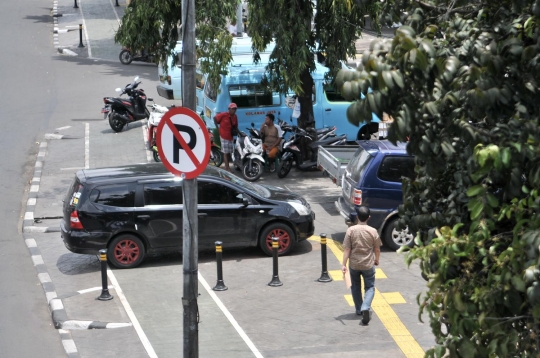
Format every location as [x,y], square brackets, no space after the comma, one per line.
[284,235]
[126,251]
[394,238]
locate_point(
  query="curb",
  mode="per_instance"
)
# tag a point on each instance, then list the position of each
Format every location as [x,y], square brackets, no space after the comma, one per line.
[65,51]
[56,307]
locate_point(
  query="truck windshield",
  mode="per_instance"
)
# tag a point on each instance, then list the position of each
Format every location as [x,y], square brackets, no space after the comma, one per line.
[358,164]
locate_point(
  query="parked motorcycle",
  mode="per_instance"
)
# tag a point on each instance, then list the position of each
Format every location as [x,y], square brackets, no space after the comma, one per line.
[126,56]
[156,114]
[247,155]
[122,111]
[216,155]
[292,152]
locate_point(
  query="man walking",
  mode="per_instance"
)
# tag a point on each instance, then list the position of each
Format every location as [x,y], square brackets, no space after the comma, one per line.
[271,138]
[227,123]
[362,249]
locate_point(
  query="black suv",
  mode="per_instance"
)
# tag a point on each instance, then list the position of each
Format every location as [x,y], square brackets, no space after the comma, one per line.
[136,209]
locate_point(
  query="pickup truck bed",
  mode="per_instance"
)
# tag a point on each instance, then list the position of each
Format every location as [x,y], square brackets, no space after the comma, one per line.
[334,160]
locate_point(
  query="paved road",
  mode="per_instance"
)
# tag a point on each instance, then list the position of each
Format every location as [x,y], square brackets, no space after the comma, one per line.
[302,318]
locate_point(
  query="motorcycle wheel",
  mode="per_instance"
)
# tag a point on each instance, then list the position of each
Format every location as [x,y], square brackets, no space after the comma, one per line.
[156,155]
[216,157]
[284,168]
[125,57]
[255,172]
[115,123]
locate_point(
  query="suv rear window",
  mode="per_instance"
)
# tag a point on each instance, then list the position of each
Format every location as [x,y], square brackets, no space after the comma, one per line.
[359,163]
[393,168]
[119,195]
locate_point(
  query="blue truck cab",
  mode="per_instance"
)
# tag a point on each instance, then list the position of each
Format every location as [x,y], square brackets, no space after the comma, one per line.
[170,82]
[242,86]
[373,178]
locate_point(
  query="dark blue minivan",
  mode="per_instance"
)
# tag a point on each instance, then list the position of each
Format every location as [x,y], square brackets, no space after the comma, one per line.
[373,178]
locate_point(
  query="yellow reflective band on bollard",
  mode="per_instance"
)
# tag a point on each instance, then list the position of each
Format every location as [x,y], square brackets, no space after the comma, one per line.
[323,240]
[103,257]
[274,244]
[219,249]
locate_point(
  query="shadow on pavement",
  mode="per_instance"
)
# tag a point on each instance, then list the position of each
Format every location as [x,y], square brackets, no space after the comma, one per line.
[77,264]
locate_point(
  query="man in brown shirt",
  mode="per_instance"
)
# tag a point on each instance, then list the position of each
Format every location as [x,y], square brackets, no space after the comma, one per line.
[362,249]
[271,139]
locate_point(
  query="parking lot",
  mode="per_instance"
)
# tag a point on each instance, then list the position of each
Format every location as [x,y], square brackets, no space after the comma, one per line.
[302,318]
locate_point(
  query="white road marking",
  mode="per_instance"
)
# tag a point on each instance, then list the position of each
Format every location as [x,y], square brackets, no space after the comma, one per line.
[85,32]
[87,145]
[29,215]
[34,188]
[57,304]
[62,128]
[230,317]
[93,289]
[115,13]
[136,325]
[74,168]
[44,277]
[37,260]
[31,243]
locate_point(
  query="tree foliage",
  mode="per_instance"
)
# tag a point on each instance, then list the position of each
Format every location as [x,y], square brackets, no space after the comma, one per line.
[299,33]
[461,82]
[156,26]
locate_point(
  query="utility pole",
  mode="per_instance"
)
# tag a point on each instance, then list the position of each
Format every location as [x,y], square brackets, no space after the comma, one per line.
[190,230]
[239,23]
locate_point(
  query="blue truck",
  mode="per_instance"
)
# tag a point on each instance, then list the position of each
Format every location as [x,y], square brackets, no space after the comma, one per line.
[371,174]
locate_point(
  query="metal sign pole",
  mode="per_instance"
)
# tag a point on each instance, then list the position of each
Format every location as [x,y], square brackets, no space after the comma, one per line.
[190,218]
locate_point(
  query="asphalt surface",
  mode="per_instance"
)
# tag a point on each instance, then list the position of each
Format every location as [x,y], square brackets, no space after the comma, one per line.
[52,127]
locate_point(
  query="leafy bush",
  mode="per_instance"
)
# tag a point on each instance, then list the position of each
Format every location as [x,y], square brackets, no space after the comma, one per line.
[461,82]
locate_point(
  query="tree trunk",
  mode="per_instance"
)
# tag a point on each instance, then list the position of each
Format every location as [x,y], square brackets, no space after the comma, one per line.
[306,119]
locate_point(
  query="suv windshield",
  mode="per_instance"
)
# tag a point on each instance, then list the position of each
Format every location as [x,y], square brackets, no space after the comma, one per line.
[358,164]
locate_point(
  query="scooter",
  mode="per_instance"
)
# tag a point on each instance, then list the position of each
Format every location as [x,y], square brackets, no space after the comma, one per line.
[247,155]
[292,152]
[126,56]
[153,121]
[122,111]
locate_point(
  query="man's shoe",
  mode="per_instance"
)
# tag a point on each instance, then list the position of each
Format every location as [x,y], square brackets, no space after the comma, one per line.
[366,317]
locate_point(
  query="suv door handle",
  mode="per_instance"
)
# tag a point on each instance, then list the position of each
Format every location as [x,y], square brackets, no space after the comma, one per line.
[202,214]
[327,109]
[143,217]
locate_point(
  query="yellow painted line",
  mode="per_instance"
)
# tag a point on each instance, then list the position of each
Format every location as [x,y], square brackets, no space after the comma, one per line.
[393,297]
[336,275]
[383,310]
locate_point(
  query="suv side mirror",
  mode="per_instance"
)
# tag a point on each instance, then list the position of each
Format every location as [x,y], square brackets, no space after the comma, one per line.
[245,200]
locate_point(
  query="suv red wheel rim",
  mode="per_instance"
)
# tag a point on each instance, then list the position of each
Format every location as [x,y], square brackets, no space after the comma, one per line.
[283,237]
[126,252]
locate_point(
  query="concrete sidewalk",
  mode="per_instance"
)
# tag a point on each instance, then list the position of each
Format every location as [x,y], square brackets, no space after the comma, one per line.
[100,20]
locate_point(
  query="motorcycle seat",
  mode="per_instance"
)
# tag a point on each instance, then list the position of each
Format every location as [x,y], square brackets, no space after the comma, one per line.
[327,141]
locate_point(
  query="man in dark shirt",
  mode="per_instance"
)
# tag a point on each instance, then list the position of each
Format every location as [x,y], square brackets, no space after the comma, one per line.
[227,121]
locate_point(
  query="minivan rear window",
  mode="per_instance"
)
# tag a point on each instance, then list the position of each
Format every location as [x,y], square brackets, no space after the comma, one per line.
[119,195]
[74,193]
[358,164]
[393,168]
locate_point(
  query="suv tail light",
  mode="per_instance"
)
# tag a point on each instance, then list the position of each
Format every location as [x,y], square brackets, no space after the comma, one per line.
[74,221]
[357,197]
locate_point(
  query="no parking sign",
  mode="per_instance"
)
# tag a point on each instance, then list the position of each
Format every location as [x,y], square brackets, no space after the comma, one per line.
[183,142]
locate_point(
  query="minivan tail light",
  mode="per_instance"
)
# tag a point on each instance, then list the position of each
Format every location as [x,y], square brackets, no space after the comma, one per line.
[74,221]
[357,197]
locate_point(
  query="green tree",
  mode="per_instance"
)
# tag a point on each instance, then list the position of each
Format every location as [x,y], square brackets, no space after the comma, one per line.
[156,25]
[461,82]
[299,30]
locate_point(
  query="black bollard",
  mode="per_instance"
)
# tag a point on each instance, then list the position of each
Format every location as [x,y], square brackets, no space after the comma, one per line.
[324,273]
[275,278]
[80,36]
[220,286]
[75,6]
[105,295]
[116,3]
